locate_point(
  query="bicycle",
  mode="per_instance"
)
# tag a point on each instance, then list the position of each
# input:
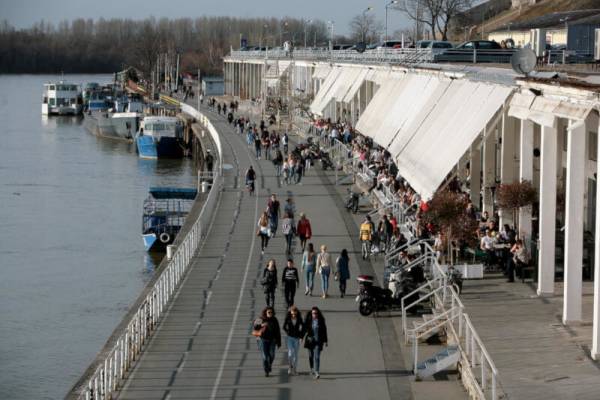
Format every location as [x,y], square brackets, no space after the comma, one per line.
[250,187]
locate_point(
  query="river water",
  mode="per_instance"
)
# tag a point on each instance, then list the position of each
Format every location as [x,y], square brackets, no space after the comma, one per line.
[71,254]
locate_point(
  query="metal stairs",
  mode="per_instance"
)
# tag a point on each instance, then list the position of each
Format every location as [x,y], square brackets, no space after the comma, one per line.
[440,361]
[433,331]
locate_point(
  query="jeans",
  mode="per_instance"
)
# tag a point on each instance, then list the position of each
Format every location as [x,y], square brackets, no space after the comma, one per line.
[270,298]
[290,292]
[310,277]
[273,221]
[277,169]
[325,271]
[314,358]
[293,344]
[264,241]
[288,240]
[267,351]
[258,152]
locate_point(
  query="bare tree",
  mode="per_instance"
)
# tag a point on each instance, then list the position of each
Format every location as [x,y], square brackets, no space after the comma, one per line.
[364,27]
[435,14]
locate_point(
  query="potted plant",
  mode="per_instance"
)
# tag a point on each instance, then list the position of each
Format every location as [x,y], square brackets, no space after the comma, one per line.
[510,197]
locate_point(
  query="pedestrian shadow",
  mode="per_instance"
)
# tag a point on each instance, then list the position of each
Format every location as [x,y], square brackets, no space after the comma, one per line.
[394,373]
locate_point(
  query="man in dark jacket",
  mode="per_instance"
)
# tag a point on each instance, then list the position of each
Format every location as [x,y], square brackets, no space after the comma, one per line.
[270,337]
[290,281]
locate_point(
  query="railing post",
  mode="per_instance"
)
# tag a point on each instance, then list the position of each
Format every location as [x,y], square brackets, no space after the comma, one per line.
[474,56]
[494,392]
[483,377]
[415,354]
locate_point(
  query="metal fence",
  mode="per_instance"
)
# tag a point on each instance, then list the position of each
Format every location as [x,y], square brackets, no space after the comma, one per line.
[376,56]
[116,360]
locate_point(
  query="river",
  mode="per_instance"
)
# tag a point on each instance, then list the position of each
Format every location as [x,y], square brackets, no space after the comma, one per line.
[71,254]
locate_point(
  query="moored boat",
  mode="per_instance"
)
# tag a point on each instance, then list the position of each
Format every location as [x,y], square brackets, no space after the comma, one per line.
[164,214]
[62,98]
[159,137]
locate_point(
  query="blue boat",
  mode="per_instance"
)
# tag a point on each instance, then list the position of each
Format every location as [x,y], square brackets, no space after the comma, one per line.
[164,214]
[160,137]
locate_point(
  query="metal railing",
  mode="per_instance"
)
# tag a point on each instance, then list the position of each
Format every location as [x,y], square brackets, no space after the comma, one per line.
[374,56]
[116,360]
[479,373]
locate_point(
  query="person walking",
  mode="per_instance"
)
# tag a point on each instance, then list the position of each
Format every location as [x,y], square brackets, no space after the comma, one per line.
[366,235]
[273,208]
[290,281]
[287,228]
[303,230]
[299,171]
[342,271]
[278,162]
[294,328]
[315,339]
[309,260]
[269,282]
[266,329]
[324,269]
[263,231]
[257,145]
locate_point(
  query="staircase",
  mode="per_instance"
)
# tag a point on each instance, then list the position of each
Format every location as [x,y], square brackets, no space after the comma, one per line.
[444,359]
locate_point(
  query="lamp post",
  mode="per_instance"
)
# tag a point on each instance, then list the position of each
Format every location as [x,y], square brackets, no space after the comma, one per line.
[364,19]
[330,23]
[386,17]
[306,22]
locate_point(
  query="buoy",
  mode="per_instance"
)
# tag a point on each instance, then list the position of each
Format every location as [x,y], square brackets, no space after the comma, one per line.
[164,237]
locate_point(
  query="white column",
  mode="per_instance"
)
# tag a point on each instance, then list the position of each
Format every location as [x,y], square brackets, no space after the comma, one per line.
[547,211]
[489,169]
[475,171]
[574,222]
[526,174]
[507,159]
[596,312]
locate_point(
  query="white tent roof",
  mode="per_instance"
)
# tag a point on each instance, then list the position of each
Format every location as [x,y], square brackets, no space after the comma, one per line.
[543,110]
[372,118]
[322,99]
[321,71]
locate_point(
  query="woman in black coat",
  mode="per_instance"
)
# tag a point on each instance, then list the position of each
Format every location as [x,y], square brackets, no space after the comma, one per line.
[295,328]
[269,282]
[315,339]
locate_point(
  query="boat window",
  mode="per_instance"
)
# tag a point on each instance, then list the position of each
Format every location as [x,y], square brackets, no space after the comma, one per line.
[52,102]
[52,87]
[45,99]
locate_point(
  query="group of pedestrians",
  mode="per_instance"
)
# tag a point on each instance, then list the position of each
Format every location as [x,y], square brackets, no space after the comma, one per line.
[311,330]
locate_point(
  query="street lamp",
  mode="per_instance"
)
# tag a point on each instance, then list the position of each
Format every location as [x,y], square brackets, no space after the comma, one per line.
[306,22]
[364,27]
[386,17]
[330,23]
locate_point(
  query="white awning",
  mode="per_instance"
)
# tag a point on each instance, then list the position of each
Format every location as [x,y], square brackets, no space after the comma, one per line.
[379,106]
[362,76]
[335,87]
[425,156]
[544,110]
[321,98]
[321,71]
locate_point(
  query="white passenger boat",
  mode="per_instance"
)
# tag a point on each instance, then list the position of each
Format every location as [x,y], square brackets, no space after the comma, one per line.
[62,98]
[160,137]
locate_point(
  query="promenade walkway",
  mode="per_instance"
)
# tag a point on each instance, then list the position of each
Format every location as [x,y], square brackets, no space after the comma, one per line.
[203,348]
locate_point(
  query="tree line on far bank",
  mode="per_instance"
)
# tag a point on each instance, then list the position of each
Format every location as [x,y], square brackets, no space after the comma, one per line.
[108,45]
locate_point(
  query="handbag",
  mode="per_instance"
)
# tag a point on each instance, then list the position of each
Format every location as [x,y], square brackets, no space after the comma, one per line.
[309,342]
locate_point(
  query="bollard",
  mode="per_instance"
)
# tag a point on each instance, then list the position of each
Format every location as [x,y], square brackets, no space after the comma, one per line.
[171,249]
[204,186]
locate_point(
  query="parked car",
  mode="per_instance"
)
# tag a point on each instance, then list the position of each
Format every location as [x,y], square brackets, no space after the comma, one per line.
[388,44]
[479,44]
[342,46]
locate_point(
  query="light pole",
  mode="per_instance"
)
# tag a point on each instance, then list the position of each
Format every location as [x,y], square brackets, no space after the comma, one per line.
[364,20]
[386,17]
[330,23]
[306,22]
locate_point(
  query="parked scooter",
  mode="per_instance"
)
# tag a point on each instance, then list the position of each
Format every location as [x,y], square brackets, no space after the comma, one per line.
[401,282]
[352,201]
[326,162]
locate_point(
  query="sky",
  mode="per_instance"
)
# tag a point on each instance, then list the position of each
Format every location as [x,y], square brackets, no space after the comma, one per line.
[23,13]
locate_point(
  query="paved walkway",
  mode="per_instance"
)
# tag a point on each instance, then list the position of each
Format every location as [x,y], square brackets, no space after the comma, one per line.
[536,355]
[203,348]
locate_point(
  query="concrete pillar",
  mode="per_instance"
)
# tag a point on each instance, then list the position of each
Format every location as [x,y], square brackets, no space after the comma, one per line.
[574,222]
[526,174]
[547,211]
[596,312]
[489,169]
[508,159]
[475,180]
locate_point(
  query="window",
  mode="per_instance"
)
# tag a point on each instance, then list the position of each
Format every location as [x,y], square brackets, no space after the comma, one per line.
[52,87]
[565,138]
[52,102]
[593,146]
[468,45]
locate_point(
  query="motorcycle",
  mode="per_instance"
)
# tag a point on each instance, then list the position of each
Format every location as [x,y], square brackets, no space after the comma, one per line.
[455,279]
[352,201]
[401,282]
